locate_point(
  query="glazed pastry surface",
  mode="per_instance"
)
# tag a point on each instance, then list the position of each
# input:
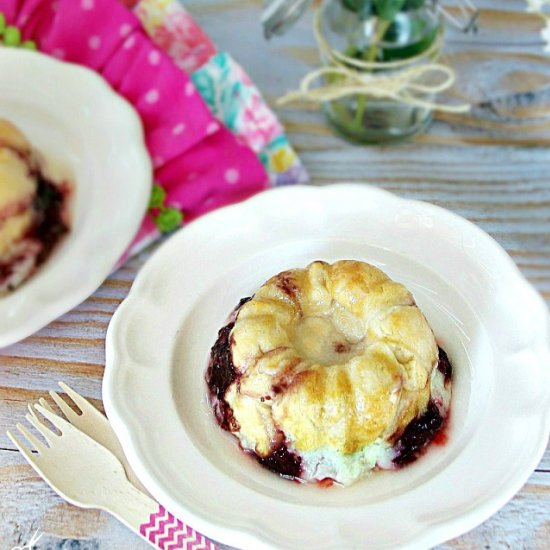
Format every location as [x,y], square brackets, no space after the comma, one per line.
[333,358]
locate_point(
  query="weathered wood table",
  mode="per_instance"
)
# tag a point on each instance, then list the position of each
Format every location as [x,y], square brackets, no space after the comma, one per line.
[491,166]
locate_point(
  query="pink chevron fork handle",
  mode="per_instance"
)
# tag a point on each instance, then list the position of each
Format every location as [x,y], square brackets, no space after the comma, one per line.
[166,532]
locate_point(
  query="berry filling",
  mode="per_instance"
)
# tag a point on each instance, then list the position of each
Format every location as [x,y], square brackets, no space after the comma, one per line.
[282,461]
[48,227]
[418,435]
[49,207]
[444,366]
[221,374]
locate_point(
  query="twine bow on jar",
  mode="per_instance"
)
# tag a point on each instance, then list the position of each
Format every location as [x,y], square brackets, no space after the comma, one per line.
[400,86]
[411,81]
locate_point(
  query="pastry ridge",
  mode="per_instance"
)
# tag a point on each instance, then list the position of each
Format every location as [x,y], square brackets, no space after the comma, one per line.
[335,356]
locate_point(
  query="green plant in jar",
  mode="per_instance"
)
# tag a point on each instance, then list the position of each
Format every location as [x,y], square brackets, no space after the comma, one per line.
[382,36]
[381,72]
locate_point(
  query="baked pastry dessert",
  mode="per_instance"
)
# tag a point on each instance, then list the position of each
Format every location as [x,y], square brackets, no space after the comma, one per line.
[329,372]
[32,213]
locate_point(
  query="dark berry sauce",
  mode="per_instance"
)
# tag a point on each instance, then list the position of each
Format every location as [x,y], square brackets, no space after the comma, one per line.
[282,462]
[444,366]
[49,207]
[221,373]
[427,428]
[418,435]
[49,225]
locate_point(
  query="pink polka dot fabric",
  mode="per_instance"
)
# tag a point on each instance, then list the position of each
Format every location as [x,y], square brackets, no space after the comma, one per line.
[200,163]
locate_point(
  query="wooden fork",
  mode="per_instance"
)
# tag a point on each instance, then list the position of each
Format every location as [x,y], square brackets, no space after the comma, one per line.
[88,475]
[93,423]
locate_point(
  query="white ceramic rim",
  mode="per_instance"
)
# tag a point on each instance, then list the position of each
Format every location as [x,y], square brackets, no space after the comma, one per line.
[254,520]
[104,141]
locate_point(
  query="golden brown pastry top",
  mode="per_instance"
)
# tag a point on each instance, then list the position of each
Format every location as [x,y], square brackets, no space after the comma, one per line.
[11,136]
[334,355]
[17,186]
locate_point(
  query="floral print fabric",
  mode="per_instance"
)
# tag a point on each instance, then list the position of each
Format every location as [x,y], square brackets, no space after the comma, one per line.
[224,85]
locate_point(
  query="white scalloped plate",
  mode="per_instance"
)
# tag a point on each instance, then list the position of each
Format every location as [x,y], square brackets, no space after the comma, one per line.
[92,137]
[494,326]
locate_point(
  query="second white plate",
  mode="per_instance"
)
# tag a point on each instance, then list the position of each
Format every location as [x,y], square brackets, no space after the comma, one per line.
[93,138]
[494,326]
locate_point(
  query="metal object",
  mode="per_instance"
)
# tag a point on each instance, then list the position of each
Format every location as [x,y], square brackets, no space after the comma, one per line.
[279,15]
[466,19]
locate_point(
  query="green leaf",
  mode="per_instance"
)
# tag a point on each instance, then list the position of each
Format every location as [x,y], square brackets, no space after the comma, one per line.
[168,219]
[363,8]
[12,36]
[158,196]
[414,4]
[2,23]
[388,9]
[351,5]
[393,54]
[29,45]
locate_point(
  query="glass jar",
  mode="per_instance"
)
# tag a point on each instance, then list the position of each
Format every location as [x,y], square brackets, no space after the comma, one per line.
[365,118]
